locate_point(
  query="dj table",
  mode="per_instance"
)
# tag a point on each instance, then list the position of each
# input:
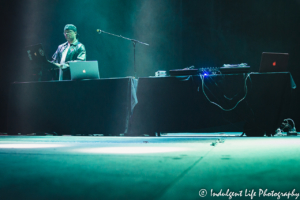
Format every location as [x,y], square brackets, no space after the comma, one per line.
[178,104]
[160,105]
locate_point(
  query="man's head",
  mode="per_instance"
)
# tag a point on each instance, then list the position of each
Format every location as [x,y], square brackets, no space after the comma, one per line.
[70,32]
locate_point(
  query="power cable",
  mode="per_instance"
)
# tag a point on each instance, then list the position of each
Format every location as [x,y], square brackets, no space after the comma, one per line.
[245,88]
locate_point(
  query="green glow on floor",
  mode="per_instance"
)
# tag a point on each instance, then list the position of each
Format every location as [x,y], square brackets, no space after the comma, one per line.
[29,146]
[132,150]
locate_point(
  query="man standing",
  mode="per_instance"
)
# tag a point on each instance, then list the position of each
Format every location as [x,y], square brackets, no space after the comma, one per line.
[68,51]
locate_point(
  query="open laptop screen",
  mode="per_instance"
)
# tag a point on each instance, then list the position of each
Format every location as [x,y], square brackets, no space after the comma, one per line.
[84,70]
[274,62]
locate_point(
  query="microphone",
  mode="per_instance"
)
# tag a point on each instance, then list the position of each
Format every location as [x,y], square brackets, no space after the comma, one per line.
[99,31]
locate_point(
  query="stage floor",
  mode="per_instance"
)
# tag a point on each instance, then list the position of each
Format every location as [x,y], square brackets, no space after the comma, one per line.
[175,166]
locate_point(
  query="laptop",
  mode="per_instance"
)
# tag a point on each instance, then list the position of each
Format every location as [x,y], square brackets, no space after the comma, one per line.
[36,55]
[84,70]
[274,62]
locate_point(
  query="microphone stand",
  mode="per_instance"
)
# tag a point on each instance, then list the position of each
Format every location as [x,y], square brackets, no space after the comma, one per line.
[133,43]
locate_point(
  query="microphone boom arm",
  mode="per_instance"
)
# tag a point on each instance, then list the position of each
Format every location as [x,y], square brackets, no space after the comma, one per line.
[120,36]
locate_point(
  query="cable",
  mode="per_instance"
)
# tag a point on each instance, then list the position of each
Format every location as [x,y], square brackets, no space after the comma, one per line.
[245,88]
[289,119]
[188,78]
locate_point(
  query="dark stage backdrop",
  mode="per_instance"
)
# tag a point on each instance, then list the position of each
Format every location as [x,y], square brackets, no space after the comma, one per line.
[204,33]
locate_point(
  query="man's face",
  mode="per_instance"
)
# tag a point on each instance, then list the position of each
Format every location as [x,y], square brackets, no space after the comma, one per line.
[70,35]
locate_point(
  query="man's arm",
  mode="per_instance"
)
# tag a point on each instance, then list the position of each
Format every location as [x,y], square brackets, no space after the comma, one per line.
[54,61]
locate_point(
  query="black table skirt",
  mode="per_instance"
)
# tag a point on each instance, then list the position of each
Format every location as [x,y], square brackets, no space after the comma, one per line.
[178,104]
[165,104]
[71,107]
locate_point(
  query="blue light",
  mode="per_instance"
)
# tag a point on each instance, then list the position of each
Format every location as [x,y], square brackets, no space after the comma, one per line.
[205,74]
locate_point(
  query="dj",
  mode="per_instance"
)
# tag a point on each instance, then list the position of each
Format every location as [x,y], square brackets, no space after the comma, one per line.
[68,51]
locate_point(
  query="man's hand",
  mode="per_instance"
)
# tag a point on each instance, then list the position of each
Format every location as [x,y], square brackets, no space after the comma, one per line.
[57,66]
[65,66]
[62,66]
